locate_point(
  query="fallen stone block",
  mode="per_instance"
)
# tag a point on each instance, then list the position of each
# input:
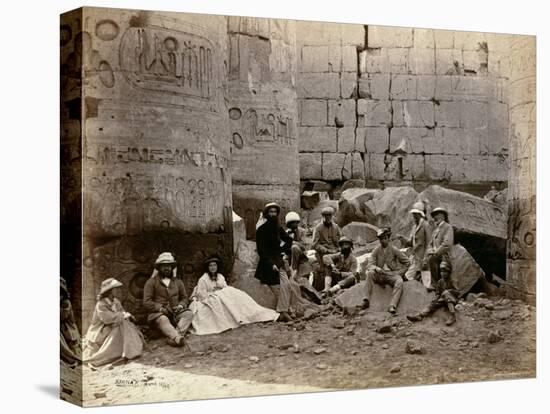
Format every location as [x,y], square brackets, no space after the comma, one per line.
[239,231]
[314,216]
[466,272]
[351,206]
[360,233]
[468,213]
[391,208]
[415,297]
[310,199]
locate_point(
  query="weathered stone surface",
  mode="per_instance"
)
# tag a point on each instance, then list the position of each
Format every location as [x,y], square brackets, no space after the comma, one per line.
[313,112]
[341,113]
[239,231]
[310,165]
[310,199]
[372,140]
[263,114]
[319,85]
[390,208]
[468,213]
[466,272]
[521,247]
[403,87]
[387,36]
[360,233]
[413,113]
[317,139]
[348,85]
[447,114]
[374,60]
[374,86]
[312,217]
[351,206]
[421,61]
[425,87]
[155,163]
[374,113]
[333,165]
[415,297]
[242,275]
[346,139]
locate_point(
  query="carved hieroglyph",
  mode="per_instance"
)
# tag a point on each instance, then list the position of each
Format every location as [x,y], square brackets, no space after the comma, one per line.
[263,116]
[145,116]
[521,249]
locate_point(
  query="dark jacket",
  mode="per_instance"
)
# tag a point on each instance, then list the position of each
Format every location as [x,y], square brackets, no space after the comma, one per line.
[156,295]
[270,241]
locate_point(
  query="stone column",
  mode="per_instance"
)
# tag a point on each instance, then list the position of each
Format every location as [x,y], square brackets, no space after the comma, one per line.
[262,110]
[521,249]
[155,153]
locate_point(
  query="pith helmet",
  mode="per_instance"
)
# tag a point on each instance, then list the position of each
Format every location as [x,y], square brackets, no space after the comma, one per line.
[418,207]
[292,216]
[440,210]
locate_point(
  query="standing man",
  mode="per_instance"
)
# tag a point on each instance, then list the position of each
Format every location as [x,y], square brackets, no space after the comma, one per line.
[440,244]
[340,267]
[387,266]
[165,299]
[325,237]
[270,239]
[418,240]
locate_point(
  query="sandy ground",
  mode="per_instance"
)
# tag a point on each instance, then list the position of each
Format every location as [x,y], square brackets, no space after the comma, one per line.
[492,340]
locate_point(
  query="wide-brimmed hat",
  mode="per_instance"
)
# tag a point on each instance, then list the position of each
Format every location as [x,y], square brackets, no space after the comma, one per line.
[343,240]
[418,208]
[292,216]
[211,259]
[108,284]
[383,232]
[327,210]
[272,205]
[439,210]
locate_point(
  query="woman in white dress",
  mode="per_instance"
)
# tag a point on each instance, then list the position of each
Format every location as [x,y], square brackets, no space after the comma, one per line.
[218,307]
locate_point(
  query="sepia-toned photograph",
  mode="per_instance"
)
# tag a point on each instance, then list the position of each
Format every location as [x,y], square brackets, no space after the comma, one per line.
[257,206]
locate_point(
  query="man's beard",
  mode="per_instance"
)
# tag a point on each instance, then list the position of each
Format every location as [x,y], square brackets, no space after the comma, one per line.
[272,219]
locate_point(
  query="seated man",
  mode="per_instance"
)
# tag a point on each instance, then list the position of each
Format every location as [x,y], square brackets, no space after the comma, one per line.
[446,295]
[295,249]
[165,299]
[325,239]
[340,267]
[387,266]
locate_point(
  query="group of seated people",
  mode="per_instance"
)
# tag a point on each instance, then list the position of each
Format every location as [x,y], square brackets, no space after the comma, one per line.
[283,266]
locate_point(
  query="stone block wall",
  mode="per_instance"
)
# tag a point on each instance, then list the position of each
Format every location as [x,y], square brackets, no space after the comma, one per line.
[390,104]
